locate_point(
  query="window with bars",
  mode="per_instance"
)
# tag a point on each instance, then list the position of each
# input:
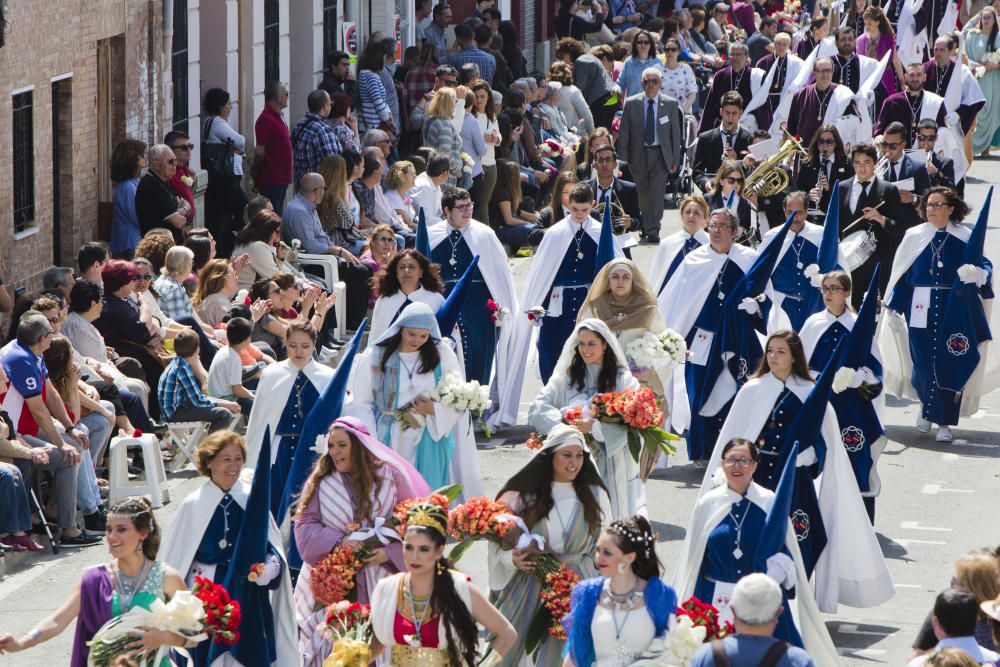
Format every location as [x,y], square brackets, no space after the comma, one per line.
[179,66]
[329,27]
[24,161]
[271,56]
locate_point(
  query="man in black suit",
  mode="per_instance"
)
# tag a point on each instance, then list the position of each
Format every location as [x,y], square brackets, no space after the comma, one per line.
[876,203]
[622,193]
[827,162]
[898,166]
[727,142]
[940,169]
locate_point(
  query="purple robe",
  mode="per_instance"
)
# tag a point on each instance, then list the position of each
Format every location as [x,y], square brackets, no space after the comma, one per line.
[96,593]
[897,108]
[745,17]
[966,112]
[722,83]
[805,47]
[805,114]
[929,18]
[886,43]
[852,67]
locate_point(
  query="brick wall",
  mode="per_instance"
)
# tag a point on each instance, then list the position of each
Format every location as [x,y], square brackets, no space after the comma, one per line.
[43,44]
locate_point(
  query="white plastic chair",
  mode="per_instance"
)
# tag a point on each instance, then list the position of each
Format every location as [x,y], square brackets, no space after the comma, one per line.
[155,483]
[184,438]
[330,272]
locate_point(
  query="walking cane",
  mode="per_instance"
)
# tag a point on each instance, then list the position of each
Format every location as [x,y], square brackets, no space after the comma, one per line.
[45,522]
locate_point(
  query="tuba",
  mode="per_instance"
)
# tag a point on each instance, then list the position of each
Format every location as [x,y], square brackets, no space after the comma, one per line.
[768,179]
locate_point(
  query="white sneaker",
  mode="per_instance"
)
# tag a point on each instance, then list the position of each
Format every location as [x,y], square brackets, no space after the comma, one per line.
[923,425]
[943,434]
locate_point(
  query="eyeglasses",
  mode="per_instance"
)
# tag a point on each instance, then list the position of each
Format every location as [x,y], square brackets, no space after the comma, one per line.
[740,462]
[54,320]
[937,204]
[144,276]
[891,145]
[650,82]
[715,227]
[462,207]
[48,333]
[831,289]
[926,137]
[672,49]
[825,142]
[187,147]
[172,160]
[385,239]
[733,180]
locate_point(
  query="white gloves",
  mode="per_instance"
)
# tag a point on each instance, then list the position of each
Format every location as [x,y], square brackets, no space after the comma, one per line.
[272,568]
[749,305]
[970,274]
[781,568]
[952,119]
[806,458]
[863,375]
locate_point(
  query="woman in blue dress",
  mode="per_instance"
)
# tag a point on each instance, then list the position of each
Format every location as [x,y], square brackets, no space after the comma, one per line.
[202,541]
[834,534]
[857,407]
[928,261]
[616,616]
[725,530]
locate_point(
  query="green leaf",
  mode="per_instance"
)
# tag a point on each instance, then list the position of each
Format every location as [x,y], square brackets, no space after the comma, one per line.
[539,627]
[634,445]
[459,549]
[451,491]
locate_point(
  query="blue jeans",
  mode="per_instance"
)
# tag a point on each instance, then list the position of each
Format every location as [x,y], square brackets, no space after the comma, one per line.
[15,515]
[88,496]
[515,236]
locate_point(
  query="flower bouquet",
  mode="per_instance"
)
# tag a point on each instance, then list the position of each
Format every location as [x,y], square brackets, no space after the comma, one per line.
[184,615]
[332,579]
[348,626]
[535,315]
[453,392]
[497,312]
[694,624]
[442,497]
[478,518]
[862,379]
[705,616]
[551,148]
[467,162]
[660,352]
[222,614]
[557,580]
[639,411]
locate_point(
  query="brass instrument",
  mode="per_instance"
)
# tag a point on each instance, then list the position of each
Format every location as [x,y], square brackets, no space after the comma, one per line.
[618,213]
[768,179]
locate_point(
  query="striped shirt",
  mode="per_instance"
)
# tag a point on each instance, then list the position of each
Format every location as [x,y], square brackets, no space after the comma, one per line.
[178,385]
[374,109]
[174,299]
[473,54]
[312,140]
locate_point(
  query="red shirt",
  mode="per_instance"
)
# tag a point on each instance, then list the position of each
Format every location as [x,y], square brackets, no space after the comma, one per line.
[183,190]
[272,133]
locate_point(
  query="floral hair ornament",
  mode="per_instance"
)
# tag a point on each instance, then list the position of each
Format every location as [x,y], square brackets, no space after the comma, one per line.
[428,515]
[634,537]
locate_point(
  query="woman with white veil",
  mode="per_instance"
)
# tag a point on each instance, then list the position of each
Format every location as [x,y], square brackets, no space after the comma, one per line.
[593,362]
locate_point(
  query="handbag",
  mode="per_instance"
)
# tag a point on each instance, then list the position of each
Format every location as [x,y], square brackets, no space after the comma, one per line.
[217,158]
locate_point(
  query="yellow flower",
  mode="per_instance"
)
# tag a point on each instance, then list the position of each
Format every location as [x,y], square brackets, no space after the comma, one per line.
[349,653]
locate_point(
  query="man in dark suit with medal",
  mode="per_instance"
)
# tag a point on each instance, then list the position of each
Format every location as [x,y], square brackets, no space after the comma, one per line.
[874,205]
[623,193]
[729,141]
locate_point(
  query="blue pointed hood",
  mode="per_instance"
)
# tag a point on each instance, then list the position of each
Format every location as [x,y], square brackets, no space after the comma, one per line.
[327,409]
[606,244]
[965,325]
[257,636]
[805,427]
[423,242]
[829,244]
[448,313]
[858,350]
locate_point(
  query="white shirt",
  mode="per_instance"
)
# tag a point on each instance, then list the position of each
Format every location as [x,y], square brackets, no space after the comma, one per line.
[485,125]
[965,644]
[428,196]
[226,370]
[856,193]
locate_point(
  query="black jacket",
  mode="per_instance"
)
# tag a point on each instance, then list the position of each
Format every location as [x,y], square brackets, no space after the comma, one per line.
[708,154]
[625,194]
[809,176]
[887,238]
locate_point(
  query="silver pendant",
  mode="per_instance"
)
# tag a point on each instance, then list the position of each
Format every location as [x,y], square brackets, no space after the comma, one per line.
[223,543]
[721,296]
[579,255]
[453,261]
[620,317]
[737,553]
[940,264]
[798,265]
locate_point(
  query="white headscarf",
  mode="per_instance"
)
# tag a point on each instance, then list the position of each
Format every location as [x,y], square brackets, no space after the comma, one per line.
[602,330]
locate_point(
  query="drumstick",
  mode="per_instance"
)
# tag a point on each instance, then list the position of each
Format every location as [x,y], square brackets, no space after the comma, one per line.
[876,207]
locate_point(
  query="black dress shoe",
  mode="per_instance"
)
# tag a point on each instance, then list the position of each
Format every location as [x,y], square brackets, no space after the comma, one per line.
[81,540]
[649,240]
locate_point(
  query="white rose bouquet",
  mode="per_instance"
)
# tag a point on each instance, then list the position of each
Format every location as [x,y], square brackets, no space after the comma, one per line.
[183,615]
[863,379]
[457,394]
[660,351]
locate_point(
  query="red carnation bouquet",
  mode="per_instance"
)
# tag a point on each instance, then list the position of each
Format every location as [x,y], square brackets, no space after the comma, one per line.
[479,518]
[348,626]
[222,614]
[640,412]
[332,579]
[706,616]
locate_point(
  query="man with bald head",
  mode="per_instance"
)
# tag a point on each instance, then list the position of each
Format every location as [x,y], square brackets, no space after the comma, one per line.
[156,205]
[786,67]
[301,221]
[650,141]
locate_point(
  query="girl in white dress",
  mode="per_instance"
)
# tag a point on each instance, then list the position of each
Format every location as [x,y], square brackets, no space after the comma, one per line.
[616,616]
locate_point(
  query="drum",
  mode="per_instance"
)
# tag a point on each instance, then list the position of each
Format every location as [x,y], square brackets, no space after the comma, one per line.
[857,248]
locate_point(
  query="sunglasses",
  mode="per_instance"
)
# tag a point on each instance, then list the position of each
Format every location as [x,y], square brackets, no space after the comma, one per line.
[385,239]
[826,142]
[172,160]
[650,82]
[926,137]
[187,147]
[733,180]
[672,49]
[144,276]
[891,145]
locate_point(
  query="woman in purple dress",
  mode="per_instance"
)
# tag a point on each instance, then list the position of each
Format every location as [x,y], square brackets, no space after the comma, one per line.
[878,39]
[133,578]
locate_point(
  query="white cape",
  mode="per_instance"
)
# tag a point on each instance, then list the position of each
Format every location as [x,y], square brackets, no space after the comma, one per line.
[544,267]
[708,512]
[851,570]
[184,537]
[667,251]
[894,336]
[495,268]
[272,393]
[386,307]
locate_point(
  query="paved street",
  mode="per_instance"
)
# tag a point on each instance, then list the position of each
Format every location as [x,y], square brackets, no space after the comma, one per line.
[938,501]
